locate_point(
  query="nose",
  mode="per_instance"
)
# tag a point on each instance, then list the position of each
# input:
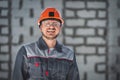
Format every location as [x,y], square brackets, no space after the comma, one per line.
[52,27]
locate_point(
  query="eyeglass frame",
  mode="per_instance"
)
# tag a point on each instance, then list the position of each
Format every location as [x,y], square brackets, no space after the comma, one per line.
[54,24]
[51,19]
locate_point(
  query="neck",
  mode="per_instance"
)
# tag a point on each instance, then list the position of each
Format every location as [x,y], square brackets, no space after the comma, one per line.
[50,43]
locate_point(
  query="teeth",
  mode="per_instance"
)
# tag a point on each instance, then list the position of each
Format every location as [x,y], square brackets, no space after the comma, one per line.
[49,30]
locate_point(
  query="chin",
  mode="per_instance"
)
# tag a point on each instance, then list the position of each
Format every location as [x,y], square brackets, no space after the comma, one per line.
[50,37]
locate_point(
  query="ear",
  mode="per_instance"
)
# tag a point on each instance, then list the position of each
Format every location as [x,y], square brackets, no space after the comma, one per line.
[40,27]
[61,25]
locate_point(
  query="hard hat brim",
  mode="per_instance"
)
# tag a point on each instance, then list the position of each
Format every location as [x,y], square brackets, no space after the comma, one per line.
[50,18]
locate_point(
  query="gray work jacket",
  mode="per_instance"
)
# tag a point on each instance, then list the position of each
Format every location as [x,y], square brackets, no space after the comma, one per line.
[36,61]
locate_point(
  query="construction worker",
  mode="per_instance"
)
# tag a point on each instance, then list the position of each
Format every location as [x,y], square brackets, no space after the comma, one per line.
[46,59]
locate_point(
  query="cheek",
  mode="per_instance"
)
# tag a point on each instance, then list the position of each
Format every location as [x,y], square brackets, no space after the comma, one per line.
[42,29]
[59,29]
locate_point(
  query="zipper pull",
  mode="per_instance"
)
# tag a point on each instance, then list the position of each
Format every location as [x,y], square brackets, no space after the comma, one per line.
[48,51]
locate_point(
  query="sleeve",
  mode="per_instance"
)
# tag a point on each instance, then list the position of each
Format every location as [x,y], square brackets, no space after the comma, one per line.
[73,71]
[18,73]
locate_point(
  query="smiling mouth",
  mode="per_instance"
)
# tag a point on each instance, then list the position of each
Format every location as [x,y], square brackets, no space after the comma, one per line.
[49,31]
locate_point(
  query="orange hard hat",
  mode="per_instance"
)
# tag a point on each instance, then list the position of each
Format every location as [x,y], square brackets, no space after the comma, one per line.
[50,13]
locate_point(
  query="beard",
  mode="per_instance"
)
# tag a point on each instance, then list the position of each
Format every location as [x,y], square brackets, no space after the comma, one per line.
[49,38]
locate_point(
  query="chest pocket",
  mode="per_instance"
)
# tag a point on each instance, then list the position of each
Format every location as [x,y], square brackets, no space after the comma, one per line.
[35,70]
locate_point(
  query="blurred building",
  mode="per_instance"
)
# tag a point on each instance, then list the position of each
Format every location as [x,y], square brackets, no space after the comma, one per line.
[91,30]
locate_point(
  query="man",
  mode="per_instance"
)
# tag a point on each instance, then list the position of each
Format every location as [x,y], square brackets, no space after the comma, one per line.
[46,59]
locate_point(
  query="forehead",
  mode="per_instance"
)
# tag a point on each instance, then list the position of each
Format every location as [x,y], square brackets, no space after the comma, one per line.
[51,21]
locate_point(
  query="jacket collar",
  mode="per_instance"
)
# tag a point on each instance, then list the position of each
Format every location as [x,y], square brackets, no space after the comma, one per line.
[42,45]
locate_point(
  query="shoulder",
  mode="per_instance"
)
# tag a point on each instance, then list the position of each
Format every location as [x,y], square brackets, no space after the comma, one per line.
[66,49]
[30,45]
[68,52]
[23,48]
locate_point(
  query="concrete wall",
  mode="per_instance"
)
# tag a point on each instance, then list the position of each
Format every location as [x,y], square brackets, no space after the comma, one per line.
[91,30]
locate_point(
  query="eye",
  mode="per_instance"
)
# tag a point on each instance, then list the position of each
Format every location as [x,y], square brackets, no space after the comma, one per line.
[55,24]
[47,24]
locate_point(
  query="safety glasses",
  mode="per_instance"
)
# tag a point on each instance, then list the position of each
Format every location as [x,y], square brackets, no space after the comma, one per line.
[53,24]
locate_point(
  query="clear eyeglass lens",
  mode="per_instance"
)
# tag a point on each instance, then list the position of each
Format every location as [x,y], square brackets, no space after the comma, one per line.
[54,24]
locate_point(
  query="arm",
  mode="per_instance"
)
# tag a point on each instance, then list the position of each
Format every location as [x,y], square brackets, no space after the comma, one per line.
[18,71]
[73,71]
